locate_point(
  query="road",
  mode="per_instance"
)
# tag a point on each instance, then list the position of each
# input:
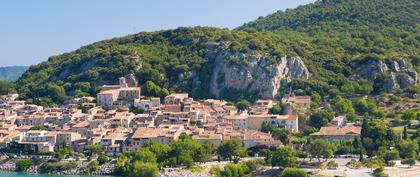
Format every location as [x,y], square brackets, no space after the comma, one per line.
[342,170]
[348,172]
[413,171]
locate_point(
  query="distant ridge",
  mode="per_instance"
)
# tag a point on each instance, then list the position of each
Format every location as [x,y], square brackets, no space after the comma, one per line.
[12,73]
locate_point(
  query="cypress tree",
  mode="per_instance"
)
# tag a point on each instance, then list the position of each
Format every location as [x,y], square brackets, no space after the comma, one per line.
[405,133]
[365,129]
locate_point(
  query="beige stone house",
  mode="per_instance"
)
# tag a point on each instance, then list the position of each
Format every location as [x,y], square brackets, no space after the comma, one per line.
[177,98]
[110,94]
[159,135]
[68,138]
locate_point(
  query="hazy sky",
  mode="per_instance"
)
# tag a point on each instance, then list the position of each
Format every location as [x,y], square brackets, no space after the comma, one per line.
[31,31]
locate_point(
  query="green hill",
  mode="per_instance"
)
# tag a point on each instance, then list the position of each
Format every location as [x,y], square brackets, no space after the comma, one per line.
[12,73]
[342,30]
[177,60]
[347,34]
[338,41]
[345,16]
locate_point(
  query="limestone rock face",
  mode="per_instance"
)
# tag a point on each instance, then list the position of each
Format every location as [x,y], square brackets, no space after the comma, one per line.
[391,82]
[397,73]
[260,73]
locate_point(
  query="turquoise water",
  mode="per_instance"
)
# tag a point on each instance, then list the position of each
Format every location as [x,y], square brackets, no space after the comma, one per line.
[14,174]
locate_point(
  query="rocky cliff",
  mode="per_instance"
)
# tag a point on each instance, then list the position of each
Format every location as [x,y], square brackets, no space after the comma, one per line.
[394,74]
[261,73]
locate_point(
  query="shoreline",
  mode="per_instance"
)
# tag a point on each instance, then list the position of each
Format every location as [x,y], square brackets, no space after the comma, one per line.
[53,174]
[9,166]
[50,175]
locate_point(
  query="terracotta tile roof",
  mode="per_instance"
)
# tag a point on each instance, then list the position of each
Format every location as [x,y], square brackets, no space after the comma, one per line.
[338,131]
[230,108]
[219,109]
[109,92]
[10,135]
[298,99]
[149,133]
[50,133]
[24,127]
[207,135]
[292,116]
[115,136]
[178,95]
[81,124]
[6,126]
[235,117]
[171,106]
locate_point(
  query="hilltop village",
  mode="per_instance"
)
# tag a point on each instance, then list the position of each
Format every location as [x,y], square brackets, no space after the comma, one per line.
[330,88]
[122,120]
[117,130]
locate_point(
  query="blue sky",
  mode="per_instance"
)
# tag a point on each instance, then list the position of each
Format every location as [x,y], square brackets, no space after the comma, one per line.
[31,31]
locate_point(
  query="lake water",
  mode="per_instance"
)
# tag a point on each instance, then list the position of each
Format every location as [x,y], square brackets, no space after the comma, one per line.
[14,174]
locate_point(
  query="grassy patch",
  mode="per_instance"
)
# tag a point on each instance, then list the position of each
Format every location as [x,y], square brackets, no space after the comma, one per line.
[196,169]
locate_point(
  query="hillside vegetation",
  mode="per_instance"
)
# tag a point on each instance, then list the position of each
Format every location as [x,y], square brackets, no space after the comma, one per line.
[344,30]
[162,58]
[343,15]
[333,37]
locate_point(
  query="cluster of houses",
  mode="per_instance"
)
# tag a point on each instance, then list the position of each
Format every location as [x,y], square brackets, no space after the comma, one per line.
[117,130]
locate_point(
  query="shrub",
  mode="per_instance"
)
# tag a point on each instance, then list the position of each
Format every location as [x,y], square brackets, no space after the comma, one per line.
[233,170]
[354,164]
[57,166]
[69,166]
[293,172]
[103,159]
[215,171]
[94,165]
[196,169]
[143,169]
[243,105]
[23,165]
[379,172]
[253,164]
[332,164]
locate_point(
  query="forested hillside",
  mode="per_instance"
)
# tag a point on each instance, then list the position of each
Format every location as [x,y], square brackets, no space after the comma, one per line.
[344,16]
[338,41]
[344,30]
[171,60]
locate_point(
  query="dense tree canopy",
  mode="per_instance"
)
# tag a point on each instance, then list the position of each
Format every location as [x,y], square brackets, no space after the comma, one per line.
[23,164]
[320,118]
[321,148]
[231,149]
[6,87]
[243,105]
[374,135]
[284,157]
